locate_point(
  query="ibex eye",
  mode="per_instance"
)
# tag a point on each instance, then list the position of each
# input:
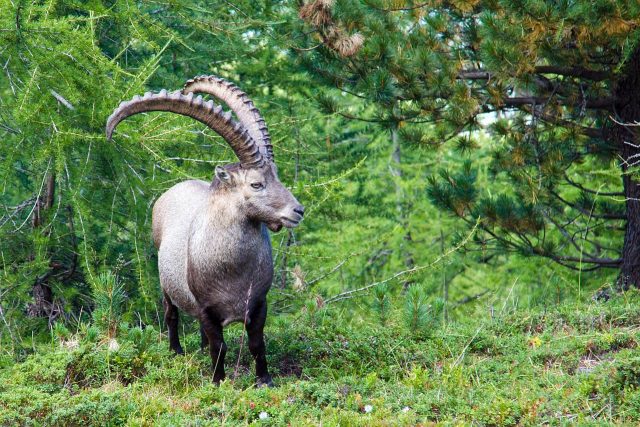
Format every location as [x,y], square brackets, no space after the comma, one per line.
[257,185]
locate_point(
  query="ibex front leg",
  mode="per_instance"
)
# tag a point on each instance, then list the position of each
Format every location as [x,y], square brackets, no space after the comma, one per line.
[255,330]
[204,341]
[217,347]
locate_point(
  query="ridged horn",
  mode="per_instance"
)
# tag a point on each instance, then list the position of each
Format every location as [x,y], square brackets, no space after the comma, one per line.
[240,103]
[208,113]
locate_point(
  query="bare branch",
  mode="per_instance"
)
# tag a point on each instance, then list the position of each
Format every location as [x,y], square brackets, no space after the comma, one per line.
[604,262]
[62,100]
[399,9]
[588,131]
[600,103]
[351,293]
[566,234]
[470,298]
[330,272]
[634,124]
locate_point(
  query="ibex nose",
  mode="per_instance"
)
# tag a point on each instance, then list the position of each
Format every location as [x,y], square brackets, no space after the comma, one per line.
[299,210]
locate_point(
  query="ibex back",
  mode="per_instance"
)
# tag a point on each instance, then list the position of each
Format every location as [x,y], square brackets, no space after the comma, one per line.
[214,250]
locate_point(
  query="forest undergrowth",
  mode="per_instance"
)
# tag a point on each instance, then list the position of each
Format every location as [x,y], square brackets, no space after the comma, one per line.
[574,363]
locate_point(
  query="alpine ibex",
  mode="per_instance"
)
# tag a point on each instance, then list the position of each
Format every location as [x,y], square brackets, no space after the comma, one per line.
[214,250]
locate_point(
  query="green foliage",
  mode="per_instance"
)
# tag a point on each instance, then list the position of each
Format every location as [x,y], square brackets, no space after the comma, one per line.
[416,309]
[368,200]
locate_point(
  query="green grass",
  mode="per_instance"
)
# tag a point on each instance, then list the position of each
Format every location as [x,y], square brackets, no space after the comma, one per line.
[575,363]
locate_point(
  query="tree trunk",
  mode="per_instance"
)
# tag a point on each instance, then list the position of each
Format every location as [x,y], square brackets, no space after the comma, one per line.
[402,206]
[445,282]
[627,140]
[42,294]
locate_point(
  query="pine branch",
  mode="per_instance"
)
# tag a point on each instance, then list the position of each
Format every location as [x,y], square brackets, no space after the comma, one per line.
[584,211]
[584,130]
[603,262]
[567,235]
[574,268]
[588,190]
[506,242]
[595,104]
[578,72]
[400,9]
[474,75]
[364,119]
[546,117]
[562,260]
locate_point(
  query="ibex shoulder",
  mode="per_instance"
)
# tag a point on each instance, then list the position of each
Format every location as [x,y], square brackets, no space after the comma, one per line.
[174,208]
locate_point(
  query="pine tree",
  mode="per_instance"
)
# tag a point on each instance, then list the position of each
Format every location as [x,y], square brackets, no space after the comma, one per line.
[553,83]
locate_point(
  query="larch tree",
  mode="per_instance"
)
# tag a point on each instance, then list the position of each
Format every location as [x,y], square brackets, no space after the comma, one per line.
[70,201]
[73,204]
[74,208]
[554,84]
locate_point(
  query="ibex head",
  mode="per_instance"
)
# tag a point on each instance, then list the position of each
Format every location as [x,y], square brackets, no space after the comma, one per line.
[253,183]
[258,193]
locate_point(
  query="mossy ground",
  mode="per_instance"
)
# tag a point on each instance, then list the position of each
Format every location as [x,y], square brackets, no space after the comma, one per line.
[575,363]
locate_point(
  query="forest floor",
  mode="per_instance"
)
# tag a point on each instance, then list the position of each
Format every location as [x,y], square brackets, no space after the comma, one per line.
[573,363]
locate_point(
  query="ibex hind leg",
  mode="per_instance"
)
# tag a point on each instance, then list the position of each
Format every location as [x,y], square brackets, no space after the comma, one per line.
[212,326]
[171,318]
[255,331]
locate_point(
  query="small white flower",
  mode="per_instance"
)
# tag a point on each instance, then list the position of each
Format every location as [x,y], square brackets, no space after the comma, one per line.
[263,415]
[72,344]
[113,345]
[368,408]
[406,409]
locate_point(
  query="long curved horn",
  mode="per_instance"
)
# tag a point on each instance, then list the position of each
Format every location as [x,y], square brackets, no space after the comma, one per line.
[240,103]
[208,113]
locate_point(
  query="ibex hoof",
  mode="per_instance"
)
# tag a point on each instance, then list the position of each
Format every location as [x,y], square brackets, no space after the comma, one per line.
[265,382]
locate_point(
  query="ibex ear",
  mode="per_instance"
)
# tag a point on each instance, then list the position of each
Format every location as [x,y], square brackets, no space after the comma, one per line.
[223,175]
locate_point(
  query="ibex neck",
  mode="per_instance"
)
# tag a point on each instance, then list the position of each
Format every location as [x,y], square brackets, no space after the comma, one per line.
[226,211]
